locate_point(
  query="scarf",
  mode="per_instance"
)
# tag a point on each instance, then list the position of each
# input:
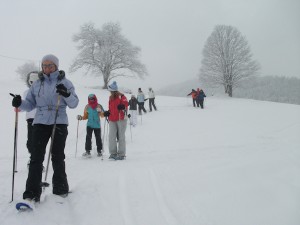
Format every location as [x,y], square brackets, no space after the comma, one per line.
[93,103]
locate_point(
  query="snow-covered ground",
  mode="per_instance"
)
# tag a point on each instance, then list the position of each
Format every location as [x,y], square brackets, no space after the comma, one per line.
[237,162]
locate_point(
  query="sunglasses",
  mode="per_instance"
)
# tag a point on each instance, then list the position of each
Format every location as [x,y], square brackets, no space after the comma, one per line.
[92,99]
[48,65]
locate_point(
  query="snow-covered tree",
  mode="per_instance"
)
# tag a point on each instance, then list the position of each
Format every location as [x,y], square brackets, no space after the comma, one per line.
[107,53]
[227,59]
[26,68]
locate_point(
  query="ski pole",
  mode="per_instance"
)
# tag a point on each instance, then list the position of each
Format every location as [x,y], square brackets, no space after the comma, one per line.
[45,184]
[129,119]
[103,141]
[103,138]
[130,131]
[77,138]
[126,115]
[15,152]
[107,128]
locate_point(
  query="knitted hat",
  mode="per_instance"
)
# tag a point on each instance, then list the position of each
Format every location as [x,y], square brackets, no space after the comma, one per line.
[91,96]
[93,101]
[51,58]
[113,86]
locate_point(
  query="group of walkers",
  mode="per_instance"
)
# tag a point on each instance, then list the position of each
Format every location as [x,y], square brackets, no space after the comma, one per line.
[197,97]
[116,116]
[46,101]
[138,103]
[118,111]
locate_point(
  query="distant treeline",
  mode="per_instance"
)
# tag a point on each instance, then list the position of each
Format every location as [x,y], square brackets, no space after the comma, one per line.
[267,88]
[271,88]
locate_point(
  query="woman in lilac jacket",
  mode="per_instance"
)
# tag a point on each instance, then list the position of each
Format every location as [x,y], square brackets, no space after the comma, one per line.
[50,91]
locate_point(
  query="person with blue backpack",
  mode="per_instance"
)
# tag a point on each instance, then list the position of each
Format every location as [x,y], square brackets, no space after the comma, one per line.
[92,113]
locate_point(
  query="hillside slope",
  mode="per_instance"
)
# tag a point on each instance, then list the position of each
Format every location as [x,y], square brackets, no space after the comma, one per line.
[235,162]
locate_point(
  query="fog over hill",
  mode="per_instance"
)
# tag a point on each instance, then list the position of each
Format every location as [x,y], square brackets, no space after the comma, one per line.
[267,88]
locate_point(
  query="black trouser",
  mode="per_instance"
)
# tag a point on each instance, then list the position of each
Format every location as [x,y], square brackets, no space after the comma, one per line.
[41,136]
[29,143]
[201,101]
[198,102]
[141,107]
[194,102]
[88,139]
[151,103]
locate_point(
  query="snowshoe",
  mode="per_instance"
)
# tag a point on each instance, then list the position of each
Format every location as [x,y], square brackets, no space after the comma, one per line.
[113,157]
[87,155]
[120,157]
[26,205]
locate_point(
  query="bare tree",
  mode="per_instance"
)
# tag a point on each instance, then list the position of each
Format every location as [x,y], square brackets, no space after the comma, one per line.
[227,59]
[107,53]
[25,69]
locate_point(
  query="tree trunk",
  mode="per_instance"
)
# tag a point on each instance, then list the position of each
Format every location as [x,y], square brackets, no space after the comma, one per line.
[105,80]
[226,89]
[104,86]
[230,90]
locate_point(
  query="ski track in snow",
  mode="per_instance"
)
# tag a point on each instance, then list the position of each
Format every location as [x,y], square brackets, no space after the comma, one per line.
[168,216]
[64,212]
[131,202]
[124,202]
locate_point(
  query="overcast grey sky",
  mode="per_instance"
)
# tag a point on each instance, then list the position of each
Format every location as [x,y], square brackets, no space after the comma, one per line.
[170,33]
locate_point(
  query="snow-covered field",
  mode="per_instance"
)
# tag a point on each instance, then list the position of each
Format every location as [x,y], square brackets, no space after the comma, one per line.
[237,162]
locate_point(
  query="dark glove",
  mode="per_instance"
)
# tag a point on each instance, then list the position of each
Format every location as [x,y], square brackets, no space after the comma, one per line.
[62,90]
[79,117]
[121,107]
[106,113]
[129,116]
[17,101]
